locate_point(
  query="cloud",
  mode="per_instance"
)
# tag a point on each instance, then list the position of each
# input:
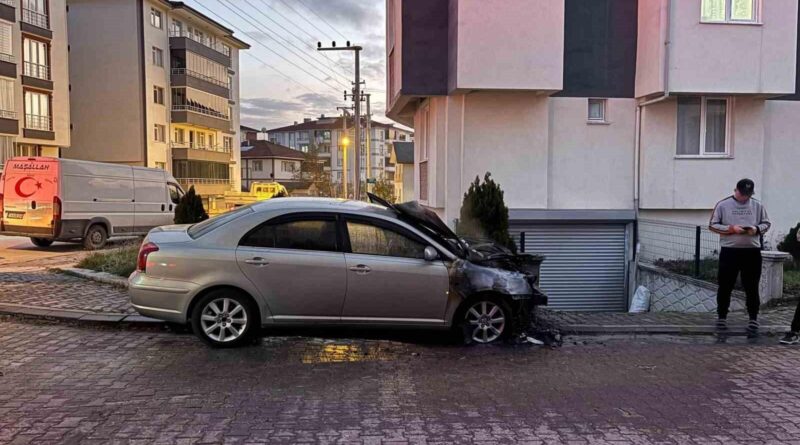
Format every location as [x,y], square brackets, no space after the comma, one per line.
[264,105]
[345,13]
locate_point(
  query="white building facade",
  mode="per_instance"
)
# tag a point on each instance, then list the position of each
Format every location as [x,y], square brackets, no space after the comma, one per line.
[594,115]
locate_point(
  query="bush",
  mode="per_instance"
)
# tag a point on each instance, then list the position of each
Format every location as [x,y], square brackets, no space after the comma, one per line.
[120,261]
[484,214]
[791,245]
[190,209]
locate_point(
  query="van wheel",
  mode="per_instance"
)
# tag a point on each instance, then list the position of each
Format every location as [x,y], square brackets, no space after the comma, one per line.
[41,242]
[96,237]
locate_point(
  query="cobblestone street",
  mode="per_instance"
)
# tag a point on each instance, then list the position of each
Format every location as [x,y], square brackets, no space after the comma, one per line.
[62,384]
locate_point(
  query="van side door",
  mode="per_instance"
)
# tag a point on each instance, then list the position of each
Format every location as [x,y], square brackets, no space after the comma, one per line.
[150,200]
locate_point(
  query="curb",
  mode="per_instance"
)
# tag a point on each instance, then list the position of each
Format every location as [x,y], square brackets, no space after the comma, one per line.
[100,277]
[93,318]
[584,329]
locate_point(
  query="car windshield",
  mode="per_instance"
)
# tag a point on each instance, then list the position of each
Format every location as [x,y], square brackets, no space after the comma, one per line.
[201,228]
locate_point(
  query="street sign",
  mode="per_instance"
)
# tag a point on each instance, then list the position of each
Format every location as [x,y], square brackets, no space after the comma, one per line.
[371,181]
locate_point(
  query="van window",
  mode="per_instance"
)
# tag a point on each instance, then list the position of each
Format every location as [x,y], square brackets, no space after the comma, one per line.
[175,194]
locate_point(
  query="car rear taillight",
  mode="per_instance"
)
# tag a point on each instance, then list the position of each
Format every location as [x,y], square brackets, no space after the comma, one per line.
[144,251]
[56,216]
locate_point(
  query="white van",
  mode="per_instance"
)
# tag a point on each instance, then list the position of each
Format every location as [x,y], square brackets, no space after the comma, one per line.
[49,199]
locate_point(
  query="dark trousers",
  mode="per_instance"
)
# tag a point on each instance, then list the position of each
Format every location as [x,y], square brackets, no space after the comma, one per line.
[796,321]
[733,261]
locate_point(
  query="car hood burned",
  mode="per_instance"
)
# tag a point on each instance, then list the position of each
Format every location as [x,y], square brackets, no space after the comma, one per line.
[480,266]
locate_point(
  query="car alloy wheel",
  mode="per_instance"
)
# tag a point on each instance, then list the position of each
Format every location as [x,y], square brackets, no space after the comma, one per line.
[486,320]
[223,320]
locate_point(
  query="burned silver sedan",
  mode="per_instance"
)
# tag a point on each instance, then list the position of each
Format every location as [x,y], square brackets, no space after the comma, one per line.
[317,261]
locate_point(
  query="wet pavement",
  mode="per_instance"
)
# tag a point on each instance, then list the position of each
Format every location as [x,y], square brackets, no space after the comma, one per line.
[65,384]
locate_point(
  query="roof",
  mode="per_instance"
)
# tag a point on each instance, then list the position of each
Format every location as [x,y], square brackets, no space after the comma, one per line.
[404,151]
[328,123]
[266,149]
[246,128]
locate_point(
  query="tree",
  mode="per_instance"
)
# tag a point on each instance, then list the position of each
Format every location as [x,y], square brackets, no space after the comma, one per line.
[190,208]
[791,244]
[484,214]
[384,188]
[312,169]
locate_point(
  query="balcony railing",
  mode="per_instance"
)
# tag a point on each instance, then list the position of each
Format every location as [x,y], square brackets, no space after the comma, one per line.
[35,70]
[7,58]
[196,75]
[36,122]
[5,114]
[216,46]
[196,146]
[200,109]
[35,18]
[204,181]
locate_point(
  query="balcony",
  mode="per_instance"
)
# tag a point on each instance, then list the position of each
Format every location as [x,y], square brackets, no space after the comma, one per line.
[207,186]
[191,151]
[8,10]
[183,40]
[182,77]
[8,65]
[35,22]
[38,127]
[36,75]
[8,122]
[200,116]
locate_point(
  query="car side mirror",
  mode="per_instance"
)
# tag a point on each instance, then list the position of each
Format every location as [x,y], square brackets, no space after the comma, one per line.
[431,254]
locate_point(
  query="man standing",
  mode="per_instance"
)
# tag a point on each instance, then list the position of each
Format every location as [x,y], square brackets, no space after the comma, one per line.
[740,221]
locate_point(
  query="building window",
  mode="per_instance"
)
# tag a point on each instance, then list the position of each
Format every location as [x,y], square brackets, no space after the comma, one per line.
[597,110]
[178,136]
[729,11]
[158,57]
[227,143]
[201,139]
[158,95]
[703,126]
[159,132]
[226,49]
[155,18]
[287,166]
[37,111]
[27,150]
[35,54]
[258,166]
[7,108]
[161,165]
[6,42]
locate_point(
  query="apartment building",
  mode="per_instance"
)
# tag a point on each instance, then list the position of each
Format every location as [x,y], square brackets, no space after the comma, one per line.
[327,134]
[34,79]
[156,83]
[593,115]
[264,161]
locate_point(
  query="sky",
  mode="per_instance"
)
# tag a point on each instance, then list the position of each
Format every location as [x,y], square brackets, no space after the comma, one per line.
[283,76]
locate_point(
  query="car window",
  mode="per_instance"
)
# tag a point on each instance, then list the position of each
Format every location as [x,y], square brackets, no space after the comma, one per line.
[369,239]
[201,228]
[301,234]
[175,193]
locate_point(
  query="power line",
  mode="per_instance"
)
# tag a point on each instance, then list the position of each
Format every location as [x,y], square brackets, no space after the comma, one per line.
[312,37]
[250,54]
[321,18]
[270,33]
[335,88]
[332,71]
[302,16]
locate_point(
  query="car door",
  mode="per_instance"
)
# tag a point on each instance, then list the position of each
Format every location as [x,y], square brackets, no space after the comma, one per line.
[388,279]
[298,265]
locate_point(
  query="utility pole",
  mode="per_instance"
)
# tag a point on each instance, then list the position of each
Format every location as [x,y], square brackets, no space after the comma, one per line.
[344,139]
[369,142]
[357,103]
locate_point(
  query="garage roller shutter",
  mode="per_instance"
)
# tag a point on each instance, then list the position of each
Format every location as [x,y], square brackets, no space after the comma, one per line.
[585,265]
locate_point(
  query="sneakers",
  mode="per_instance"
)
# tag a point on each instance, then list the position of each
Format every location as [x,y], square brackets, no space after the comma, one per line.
[791,338]
[722,324]
[752,328]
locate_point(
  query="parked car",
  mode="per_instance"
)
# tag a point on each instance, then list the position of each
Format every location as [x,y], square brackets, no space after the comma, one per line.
[312,261]
[51,199]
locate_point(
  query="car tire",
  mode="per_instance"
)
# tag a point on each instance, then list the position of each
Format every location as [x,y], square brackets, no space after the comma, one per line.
[485,319]
[95,238]
[225,318]
[42,242]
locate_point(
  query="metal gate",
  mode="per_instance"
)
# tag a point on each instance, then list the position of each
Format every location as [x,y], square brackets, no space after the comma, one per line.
[585,267]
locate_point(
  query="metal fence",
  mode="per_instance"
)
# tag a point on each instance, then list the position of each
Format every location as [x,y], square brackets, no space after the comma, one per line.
[669,241]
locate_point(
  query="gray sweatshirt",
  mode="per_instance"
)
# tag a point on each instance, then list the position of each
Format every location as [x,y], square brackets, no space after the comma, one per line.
[730,212]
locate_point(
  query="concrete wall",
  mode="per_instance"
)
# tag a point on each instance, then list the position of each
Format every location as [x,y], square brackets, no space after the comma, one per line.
[669,182]
[523,38]
[107,116]
[780,182]
[755,59]
[155,75]
[650,47]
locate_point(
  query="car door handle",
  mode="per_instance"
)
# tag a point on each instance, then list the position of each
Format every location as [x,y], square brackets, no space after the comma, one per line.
[257,261]
[361,269]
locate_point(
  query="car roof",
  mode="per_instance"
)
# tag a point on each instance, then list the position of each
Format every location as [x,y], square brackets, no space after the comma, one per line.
[322,205]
